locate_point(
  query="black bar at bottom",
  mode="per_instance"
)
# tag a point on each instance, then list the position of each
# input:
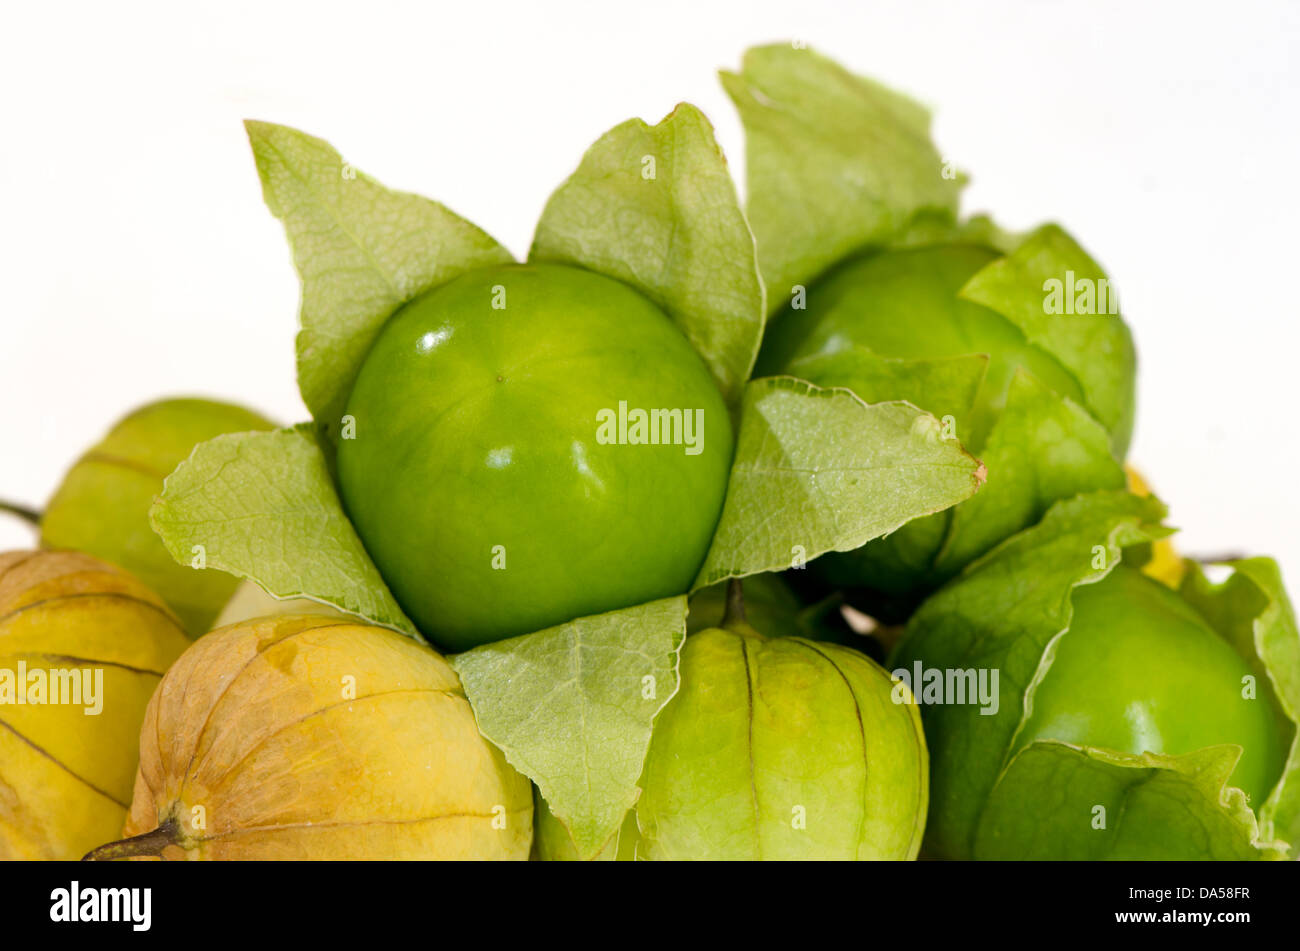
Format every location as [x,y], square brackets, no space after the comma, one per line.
[640,901]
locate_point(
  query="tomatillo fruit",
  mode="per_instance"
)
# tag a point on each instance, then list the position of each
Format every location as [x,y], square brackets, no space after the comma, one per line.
[1141,672]
[893,325]
[782,748]
[1076,708]
[102,505]
[83,646]
[774,748]
[309,738]
[905,305]
[530,444]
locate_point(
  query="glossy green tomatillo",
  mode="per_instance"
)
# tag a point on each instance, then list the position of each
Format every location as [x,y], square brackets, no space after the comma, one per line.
[906,305]
[878,284]
[530,444]
[1125,720]
[1141,672]
[894,325]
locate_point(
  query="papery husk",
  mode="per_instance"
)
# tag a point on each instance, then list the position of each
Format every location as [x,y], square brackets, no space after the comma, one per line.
[307,737]
[65,776]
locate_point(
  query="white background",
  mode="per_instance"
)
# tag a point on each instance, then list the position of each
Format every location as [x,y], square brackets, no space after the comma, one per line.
[137,259]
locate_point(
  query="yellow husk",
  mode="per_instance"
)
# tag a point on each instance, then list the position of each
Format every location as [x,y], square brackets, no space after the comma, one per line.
[66,777]
[310,737]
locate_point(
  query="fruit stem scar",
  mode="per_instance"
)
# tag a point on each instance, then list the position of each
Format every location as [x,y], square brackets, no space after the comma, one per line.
[150,843]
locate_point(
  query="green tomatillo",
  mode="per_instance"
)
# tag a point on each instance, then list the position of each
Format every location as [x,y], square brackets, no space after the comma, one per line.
[877,285]
[528,444]
[1115,717]
[906,305]
[1140,671]
[895,324]
[774,748]
[533,466]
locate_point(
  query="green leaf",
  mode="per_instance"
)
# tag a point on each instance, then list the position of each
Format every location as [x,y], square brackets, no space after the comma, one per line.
[834,163]
[1042,448]
[1001,614]
[819,470]
[263,506]
[1252,612]
[1155,807]
[361,251]
[571,708]
[1096,348]
[552,842]
[655,207]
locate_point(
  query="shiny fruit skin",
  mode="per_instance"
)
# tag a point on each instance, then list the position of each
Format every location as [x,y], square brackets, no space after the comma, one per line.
[1140,671]
[906,305]
[475,478]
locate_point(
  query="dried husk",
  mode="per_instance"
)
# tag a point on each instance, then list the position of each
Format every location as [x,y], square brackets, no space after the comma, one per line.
[66,777]
[309,737]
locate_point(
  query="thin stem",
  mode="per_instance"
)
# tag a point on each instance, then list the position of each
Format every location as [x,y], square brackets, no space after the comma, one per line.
[1218,559]
[735,612]
[21,511]
[150,843]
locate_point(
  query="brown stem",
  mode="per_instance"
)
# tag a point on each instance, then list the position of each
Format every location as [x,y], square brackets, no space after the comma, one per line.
[150,843]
